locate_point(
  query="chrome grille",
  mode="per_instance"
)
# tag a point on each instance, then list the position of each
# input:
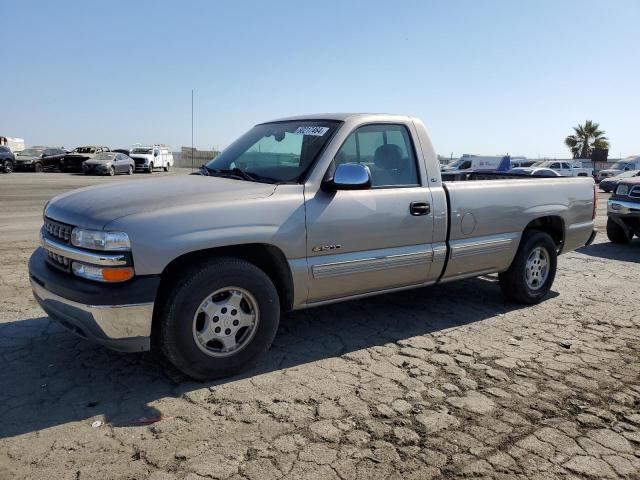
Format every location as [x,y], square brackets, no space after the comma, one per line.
[58,230]
[58,261]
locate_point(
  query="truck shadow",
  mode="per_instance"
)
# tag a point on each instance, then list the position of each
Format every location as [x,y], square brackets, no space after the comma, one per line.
[612,251]
[52,378]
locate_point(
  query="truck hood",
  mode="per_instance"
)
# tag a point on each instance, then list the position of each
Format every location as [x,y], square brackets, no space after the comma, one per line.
[95,207]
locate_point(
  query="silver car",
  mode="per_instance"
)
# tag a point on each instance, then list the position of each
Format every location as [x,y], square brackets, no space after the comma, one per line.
[109,163]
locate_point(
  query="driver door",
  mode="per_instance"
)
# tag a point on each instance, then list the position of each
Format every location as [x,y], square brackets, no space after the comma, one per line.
[369,240]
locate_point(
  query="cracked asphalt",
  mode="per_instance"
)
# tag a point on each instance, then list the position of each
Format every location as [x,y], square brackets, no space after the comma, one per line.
[443,382]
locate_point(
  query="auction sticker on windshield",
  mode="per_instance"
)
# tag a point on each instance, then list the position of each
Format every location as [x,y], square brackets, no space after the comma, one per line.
[315,131]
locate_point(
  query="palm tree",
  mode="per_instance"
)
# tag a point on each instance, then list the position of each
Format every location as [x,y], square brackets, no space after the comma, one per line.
[585,139]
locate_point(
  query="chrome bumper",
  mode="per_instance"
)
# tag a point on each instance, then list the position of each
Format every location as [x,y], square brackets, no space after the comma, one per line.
[620,207]
[125,328]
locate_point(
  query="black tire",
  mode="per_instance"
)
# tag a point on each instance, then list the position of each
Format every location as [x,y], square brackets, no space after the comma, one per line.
[175,330]
[166,169]
[111,172]
[38,167]
[616,233]
[7,166]
[130,171]
[150,168]
[513,282]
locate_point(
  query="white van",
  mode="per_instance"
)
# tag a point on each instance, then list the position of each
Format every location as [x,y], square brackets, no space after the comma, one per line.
[475,162]
[14,144]
[629,163]
[148,158]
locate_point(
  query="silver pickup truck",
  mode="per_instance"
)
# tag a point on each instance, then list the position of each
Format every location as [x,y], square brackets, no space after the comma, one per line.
[298,212]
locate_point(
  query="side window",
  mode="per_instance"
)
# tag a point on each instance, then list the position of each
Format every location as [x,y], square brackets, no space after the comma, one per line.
[555,165]
[386,150]
[566,165]
[156,152]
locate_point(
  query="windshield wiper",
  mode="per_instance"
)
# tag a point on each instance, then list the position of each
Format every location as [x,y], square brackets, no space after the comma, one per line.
[237,173]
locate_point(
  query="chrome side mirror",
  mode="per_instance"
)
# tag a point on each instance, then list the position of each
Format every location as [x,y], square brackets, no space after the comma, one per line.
[349,176]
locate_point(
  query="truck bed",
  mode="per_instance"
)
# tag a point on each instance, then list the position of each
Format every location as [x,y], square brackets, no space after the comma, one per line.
[487,216]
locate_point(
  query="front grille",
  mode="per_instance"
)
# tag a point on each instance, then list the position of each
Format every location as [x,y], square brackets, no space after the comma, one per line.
[59,231]
[58,261]
[635,192]
[139,161]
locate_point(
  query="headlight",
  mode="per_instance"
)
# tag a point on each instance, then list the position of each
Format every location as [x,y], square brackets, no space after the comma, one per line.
[99,240]
[102,274]
[622,190]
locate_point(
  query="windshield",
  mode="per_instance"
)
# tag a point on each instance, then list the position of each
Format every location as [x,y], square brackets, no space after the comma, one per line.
[145,151]
[104,156]
[627,174]
[85,150]
[456,163]
[31,152]
[277,152]
[620,166]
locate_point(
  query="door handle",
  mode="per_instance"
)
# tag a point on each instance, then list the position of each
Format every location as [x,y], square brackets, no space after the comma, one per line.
[419,208]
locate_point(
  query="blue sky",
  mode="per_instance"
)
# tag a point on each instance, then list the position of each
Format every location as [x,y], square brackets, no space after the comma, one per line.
[486,77]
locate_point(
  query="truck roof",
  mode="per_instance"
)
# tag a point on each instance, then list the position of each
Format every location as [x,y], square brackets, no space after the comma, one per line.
[336,116]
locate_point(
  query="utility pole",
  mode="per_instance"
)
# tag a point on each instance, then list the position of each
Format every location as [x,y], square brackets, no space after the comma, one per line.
[192,151]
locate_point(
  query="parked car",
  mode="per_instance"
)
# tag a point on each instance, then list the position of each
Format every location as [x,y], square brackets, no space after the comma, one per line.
[7,159]
[109,163]
[566,169]
[38,159]
[126,151]
[298,212]
[535,171]
[151,157]
[623,211]
[631,163]
[609,184]
[73,161]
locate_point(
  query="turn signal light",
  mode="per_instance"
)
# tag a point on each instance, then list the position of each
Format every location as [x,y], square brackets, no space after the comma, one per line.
[103,274]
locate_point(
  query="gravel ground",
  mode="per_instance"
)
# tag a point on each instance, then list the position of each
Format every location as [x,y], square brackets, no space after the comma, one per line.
[443,382]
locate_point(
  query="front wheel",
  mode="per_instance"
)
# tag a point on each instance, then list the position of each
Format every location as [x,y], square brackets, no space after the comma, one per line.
[7,166]
[150,168]
[166,168]
[111,172]
[130,171]
[38,167]
[616,233]
[219,319]
[531,274]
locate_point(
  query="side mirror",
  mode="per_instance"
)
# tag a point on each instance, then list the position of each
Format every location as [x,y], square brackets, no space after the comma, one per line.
[349,176]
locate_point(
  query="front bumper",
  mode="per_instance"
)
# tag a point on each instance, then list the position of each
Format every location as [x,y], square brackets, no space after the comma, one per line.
[623,208]
[116,316]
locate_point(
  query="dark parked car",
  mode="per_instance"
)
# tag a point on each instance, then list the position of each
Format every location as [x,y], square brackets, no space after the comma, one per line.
[73,161]
[623,211]
[39,158]
[7,159]
[109,163]
[609,184]
[126,151]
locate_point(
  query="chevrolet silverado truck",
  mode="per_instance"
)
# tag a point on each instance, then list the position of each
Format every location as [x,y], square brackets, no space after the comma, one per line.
[298,212]
[623,211]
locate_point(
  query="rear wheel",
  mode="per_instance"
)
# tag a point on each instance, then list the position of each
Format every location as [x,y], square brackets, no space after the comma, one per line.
[38,167]
[7,166]
[219,319]
[166,168]
[531,274]
[616,233]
